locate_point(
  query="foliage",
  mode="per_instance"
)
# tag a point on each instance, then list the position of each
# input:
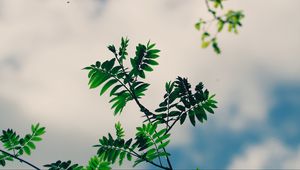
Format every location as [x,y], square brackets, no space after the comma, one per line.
[127,84]
[180,102]
[12,142]
[231,19]
[59,165]
[115,76]
[97,163]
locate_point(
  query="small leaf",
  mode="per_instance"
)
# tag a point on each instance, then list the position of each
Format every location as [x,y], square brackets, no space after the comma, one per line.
[198,25]
[146,67]
[163,145]
[27,150]
[40,131]
[180,107]
[129,157]
[107,85]
[182,118]
[192,117]
[113,91]
[31,145]
[162,109]
[151,62]
[205,44]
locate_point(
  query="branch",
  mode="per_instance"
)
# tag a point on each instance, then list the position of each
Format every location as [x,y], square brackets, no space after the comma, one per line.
[143,109]
[151,162]
[21,160]
[179,118]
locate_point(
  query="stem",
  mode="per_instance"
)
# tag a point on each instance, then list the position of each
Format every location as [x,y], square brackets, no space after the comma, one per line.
[179,118]
[159,158]
[145,111]
[168,106]
[210,10]
[151,162]
[21,160]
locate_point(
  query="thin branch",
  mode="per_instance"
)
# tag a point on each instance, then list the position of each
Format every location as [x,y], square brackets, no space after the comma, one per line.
[21,160]
[151,162]
[143,108]
[179,118]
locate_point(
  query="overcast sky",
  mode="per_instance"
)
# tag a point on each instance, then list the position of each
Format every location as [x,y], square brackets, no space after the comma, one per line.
[45,43]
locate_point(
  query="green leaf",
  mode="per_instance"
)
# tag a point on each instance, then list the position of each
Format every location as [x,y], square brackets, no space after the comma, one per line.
[112,48]
[36,139]
[154,51]
[27,150]
[205,44]
[174,113]
[182,118]
[162,109]
[207,108]
[98,64]
[164,137]
[59,165]
[180,107]
[108,65]
[129,157]
[92,72]
[114,89]
[31,145]
[96,79]
[146,67]
[140,89]
[2,162]
[151,62]
[119,130]
[163,145]
[40,131]
[158,134]
[122,156]
[108,85]
[142,74]
[198,25]
[192,117]
[152,56]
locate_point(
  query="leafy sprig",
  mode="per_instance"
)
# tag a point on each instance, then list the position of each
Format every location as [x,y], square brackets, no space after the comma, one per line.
[63,165]
[152,137]
[96,163]
[12,142]
[180,102]
[232,19]
[125,85]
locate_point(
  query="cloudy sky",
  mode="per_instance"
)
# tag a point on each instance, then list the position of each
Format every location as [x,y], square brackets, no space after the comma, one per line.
[45,43]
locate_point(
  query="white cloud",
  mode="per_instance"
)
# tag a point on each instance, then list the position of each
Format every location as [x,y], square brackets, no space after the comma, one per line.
[269,154]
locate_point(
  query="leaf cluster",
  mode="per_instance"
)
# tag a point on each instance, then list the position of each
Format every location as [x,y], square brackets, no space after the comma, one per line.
[12,142]
[123,81]
[232,19]
[151,143]
[180,102]
[147,146]
[63,165]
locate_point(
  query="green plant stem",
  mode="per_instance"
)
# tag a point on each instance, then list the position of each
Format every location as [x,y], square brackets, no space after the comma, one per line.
[209,9]
[179,118]
[21,160]
[146,112]
[143,108]
[151,162]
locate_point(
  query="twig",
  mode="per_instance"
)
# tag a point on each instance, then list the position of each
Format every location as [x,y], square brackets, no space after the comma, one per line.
[21,160]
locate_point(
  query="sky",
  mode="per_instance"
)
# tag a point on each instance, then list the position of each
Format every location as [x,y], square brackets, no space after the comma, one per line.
[44,45]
